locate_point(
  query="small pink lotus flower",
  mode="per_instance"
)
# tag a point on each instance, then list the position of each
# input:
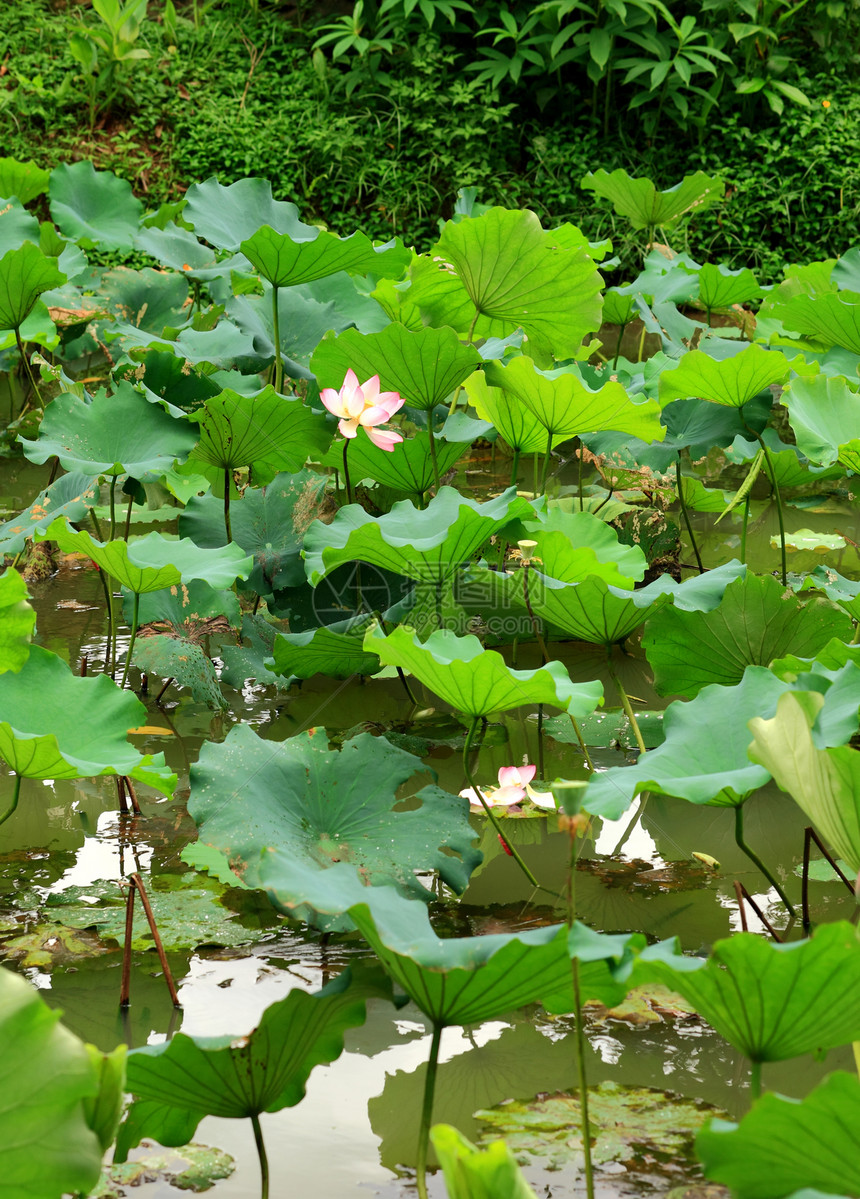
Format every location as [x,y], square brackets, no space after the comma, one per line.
[512,789]
[363,404]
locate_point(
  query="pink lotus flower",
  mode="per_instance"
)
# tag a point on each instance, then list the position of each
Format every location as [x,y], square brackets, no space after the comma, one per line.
[512,789]
[363,404]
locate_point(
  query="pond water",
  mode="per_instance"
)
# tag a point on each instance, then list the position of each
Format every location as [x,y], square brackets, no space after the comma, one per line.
[355,1133]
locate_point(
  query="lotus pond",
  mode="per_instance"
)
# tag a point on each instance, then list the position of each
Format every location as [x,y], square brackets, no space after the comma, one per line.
[428,704]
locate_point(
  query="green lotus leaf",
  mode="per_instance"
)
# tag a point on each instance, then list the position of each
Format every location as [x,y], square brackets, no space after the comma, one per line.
[268,523]
[595,611]
[837,588]
[478,682]
[565,406]
[17,225]
[471,1173]
[94,208]
[409,466]
[755,622]
[185,609]
[329,651]
[70,496]
[166,379]
[427,545]
[104,1111]
[113,435]
[182,251]
[456,980]
[302,323]
[246,662]
[783,1145]
[825,416]
[516,423]
[24,274]
[42,734]
[647,208]
[240,1077]
[187,915]
[324,806]
[771,1001]
[47,1079]
[24,180]
[730,381]
[699,425]
[189,1168]
[265,431]
[225,216]
[17,621]
[423,367]
[721,288]
[509,275]
[825,783]
[582,530]
[183,660]
[703,770]
[286,263]
[832,318]
[153,562]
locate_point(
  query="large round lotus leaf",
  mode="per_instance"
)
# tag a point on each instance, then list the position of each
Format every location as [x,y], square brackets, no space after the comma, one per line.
[16,225]
[721,288]
[701,769]
[183,660]
[509,274]
[24,274]
[268,523]
[181,251]
[94,208]
[582,530]
[470,1173]
[166,379]
[832,318]
[731,381]
[478,682]
[113,435]
[153,562]
[636,1126]
[193,1168]
[423,367]
[287,263]
[564,405]
[191,610]
[428,545]
[455,980]
[46,1079]
[55,725]
[646,207]
[825,416]
[825,783]
[17,621]
[323,806]
[225,216]
[516,423]
[70,496]
[238,1077]
[246,663]
[784,1146]
[755,622]
[265,431]
[24,180]
[771,1001]
[329,651]
[302,323]
[409,466]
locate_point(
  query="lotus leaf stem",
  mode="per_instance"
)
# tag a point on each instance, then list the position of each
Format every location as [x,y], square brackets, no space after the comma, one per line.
[96,524]
[756,860]
[686,515]
[128,518]
[511,849]
[779,512]
[546,461]
[515,466]
[618,344]
[625,702]
[276,329]
[427,1113]
[16,795]
[109,607]
[755,1081]
[432,439]
[585,1123]
[112,507]
[227,526]
[134,622]
[578,731]
[261,1154]
[29,369]
[744,528]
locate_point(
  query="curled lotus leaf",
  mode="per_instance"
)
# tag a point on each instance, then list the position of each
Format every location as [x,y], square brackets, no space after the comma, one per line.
[17,621]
